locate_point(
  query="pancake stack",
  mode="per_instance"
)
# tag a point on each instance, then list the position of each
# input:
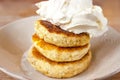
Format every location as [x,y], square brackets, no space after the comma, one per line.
[58,53]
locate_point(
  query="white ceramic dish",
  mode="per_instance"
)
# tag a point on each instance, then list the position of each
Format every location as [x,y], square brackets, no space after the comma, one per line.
[15,40]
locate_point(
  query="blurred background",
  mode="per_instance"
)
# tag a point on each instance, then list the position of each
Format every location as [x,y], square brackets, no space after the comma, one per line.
[11,10]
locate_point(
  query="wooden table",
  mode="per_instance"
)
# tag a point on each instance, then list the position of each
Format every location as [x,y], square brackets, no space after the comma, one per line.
[11,10]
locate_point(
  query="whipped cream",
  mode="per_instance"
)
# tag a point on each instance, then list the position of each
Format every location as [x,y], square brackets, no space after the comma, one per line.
[75,16]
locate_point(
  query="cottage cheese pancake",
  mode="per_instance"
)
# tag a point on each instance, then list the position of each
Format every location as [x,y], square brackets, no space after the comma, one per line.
[59,54]
[54,35]
[58,69]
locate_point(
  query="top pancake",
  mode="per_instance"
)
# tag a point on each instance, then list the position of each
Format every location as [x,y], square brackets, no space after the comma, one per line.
[55,35]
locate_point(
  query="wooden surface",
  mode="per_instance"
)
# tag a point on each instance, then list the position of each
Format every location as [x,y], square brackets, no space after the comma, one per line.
[11,10]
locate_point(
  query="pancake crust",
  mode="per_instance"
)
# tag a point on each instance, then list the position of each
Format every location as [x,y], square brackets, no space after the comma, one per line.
[55,35]
[59,54]
[58,69]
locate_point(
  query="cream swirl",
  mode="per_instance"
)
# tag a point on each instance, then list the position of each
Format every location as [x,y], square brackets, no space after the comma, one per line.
[75,16]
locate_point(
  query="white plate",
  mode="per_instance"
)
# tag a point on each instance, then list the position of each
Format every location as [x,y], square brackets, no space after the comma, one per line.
[15,40]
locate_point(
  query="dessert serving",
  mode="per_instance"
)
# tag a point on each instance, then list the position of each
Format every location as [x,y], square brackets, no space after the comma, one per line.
[61,42]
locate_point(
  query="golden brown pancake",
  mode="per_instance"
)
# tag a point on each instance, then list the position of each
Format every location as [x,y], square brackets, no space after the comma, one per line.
[58,69]
[55,35]
[59,54]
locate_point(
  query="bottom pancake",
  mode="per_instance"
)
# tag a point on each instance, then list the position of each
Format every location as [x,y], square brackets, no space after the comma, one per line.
[58,69]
